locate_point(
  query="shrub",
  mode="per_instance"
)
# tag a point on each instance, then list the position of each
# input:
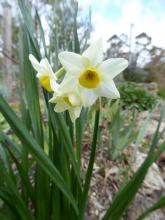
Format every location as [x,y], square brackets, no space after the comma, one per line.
[135,75]
[161,93]
[134,96]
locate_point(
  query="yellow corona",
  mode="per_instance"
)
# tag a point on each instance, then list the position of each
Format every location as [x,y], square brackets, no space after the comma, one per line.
[90,78]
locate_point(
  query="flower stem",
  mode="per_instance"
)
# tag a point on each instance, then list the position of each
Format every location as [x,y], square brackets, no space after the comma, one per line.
[83,201]
[60,72]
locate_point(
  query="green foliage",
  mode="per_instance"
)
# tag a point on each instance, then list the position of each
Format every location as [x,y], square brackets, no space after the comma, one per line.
[3,124]
[51,184]
[161,93]
[135,75]
[40,178]
[134,96]
[122,130]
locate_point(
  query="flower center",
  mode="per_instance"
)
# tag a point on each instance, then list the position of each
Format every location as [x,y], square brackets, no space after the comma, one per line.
[67,101]
[90,78]
[45,82]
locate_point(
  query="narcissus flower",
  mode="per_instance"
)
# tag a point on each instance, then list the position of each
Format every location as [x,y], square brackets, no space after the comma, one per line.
[93,76]
[44,73]
[66,97]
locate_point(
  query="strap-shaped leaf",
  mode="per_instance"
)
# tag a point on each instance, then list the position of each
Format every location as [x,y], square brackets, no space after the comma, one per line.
[10,185]
[29,25]
[6,197]
[24,177]
[68,143]
[33,147]
[76,40]
[90,167]
[62,125]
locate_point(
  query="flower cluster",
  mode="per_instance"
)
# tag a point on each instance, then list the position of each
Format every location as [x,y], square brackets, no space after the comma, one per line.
[87,78]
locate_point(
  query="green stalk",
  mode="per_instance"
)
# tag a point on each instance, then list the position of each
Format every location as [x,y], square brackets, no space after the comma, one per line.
[65,171]
[60,72]
[55,192]
[79,125]
[83,201]
[70,126]
[78,141]
[55,203]
[68,144]
[79,135]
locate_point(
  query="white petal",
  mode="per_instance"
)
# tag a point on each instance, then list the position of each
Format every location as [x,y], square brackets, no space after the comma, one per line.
[43,68]
[74,99]
[35,63]
[69,84]
[88,96]
[74,113]
[46,67]
[73,62]
[112,67]
[109,90]
[60,107]
[94,53]
[54,85]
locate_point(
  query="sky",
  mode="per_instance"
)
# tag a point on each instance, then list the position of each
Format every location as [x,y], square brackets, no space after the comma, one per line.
[111,17]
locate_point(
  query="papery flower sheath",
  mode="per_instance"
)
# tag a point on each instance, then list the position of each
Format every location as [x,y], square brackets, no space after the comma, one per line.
[44,73]
[93,76]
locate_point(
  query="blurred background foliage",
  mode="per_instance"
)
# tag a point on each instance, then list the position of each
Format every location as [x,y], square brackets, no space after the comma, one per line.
[146,61]
[134,96]
[141,85]
[58,20]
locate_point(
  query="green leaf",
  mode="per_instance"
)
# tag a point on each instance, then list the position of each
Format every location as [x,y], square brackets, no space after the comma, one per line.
[80,123]
[16,199]
[68,143]
[5,196]
[33,147]
[6,216]
[32,97]
[142,130]
[76,40]
[16,204]
[31,93]
[83,201]
[29,26]
[23,174]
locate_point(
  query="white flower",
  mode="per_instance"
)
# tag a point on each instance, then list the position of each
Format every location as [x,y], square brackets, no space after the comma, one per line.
[66,97]
[93,75]
[44,72]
